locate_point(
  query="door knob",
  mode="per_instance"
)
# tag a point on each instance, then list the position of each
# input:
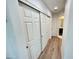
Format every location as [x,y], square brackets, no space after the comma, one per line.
[26,46]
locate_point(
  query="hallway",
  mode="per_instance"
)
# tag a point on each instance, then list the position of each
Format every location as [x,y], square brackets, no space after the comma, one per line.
[53,49]
[37,29]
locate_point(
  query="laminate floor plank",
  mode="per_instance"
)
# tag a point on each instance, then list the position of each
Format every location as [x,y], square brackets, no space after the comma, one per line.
[52,50]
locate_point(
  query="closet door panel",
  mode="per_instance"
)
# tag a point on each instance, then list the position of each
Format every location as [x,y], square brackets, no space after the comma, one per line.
[28,20]
[44,42]
[27,11]
[35,48]
[29,31]
[35,14]
[36,43]
[36,31]
[31,20]
[45,29]
[34,39]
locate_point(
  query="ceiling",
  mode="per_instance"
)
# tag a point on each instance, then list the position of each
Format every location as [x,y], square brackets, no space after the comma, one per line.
[59,4]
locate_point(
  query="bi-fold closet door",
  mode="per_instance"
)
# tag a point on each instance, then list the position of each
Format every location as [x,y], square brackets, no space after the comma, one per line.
[32,26]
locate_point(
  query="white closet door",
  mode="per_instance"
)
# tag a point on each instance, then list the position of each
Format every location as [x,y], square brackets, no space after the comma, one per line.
[44,29]
[31,21]
[48,24]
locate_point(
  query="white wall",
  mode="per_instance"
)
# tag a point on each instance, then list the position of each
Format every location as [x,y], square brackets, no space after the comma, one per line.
[56,23]
[11,47]
[68,31]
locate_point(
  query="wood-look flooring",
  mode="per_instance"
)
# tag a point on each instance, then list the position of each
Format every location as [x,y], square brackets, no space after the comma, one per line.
[52,50]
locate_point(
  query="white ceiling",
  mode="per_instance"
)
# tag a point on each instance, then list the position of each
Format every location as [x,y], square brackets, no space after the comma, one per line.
[52,3]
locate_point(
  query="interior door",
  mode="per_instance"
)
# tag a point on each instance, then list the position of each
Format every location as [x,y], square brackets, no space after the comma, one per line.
[31,21]
[45,29]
